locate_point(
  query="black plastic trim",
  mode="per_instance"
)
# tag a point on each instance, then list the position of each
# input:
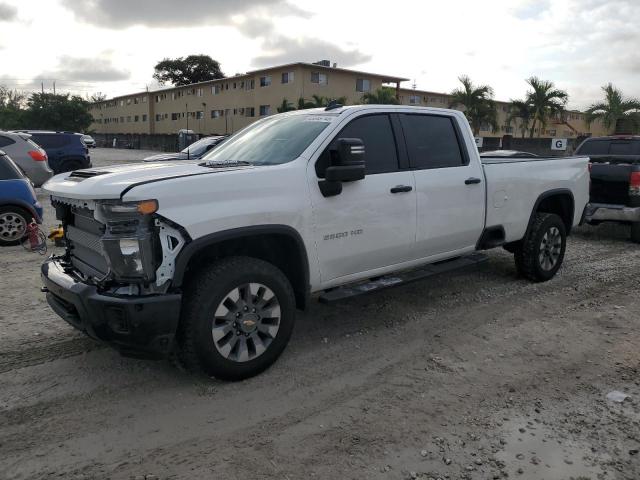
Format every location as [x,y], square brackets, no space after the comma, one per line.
[486,241]
[552,193]
[201,243]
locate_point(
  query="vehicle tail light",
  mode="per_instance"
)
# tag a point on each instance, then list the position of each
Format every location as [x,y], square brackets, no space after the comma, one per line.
[38,155]
[634,183]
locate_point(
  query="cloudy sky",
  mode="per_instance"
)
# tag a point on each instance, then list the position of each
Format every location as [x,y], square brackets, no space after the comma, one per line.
[111,46]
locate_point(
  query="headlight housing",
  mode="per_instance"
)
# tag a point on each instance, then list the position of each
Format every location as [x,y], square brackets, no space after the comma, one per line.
[130,239]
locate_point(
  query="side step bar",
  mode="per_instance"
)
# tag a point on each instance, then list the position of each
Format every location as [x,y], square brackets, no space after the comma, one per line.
[379,283]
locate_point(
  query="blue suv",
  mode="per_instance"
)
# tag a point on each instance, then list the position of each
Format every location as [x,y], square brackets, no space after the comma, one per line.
[66,150]
[18,202]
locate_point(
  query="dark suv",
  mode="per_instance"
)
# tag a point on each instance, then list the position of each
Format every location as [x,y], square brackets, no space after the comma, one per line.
[66,150]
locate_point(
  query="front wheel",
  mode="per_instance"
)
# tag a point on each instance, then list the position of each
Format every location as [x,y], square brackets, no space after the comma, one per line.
[237,318]
[541,252]
[13,225]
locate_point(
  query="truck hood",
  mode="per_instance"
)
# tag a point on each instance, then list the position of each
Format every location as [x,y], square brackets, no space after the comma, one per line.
[110,182]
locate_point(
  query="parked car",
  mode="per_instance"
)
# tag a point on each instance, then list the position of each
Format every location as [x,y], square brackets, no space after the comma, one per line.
[66,150]
[18,202]
[213,257]
[193,152]
[507,154]
[31,159]
[89,141]
[615,180]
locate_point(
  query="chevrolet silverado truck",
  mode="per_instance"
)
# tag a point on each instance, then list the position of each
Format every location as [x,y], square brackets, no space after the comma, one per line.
[208,260]
[615,180]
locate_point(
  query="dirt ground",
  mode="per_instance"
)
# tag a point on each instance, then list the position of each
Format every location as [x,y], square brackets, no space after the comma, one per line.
[472,375]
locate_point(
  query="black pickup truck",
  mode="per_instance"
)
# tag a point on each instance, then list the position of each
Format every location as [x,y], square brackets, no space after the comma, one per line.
[615,180]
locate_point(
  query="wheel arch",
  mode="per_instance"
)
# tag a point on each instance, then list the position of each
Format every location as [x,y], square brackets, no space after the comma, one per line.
[280,245]
[23,205]
[559,201]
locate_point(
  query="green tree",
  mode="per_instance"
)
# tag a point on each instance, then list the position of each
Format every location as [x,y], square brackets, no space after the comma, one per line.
[614,108]
[478,104]
[520,110]
[303,104]
[48,111]
[187,70]
[12,103]
[97,97]
[285,106]
[546,101]
[382,96]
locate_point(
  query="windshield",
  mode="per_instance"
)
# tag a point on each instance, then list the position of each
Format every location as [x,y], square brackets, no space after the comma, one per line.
[275,140]
[199,147]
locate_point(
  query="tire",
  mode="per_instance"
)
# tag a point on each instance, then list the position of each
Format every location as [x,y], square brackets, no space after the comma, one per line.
[540,255]
[635,232]
[13,225]
[219,333]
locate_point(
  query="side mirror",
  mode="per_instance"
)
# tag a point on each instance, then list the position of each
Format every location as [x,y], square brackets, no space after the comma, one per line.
[349,162]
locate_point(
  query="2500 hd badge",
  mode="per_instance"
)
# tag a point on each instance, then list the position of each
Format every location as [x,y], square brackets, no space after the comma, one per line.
[335,236]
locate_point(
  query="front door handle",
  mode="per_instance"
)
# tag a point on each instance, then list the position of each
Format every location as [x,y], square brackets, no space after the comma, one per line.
[401,188]
[472,181]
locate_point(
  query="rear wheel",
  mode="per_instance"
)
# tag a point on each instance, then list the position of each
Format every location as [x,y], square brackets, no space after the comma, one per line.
[13,225]
[635,232]
[237,318]
[541,252]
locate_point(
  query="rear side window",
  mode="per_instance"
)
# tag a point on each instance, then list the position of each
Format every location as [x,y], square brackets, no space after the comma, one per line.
[432,141]
[8,170]
[624,148]
[6,141]
[50,141]
[594,147]
[379,144]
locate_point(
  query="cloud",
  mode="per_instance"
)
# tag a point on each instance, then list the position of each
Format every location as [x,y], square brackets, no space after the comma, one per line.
[119,14]
[285,50]
[531,9]
[94,69]
[7,12]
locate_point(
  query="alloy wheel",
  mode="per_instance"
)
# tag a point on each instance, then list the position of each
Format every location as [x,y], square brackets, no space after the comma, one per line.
[550,248]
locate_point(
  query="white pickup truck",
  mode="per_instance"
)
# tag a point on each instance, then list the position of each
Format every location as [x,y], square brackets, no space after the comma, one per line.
[211,258]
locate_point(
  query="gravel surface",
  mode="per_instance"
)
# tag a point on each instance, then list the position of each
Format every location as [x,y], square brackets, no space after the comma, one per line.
[472,375]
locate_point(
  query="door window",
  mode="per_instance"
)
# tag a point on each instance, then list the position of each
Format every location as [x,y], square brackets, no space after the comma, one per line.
[5,141]
[432,141]
[379,144]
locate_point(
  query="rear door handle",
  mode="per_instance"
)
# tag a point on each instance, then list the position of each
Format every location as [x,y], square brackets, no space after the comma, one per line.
[472,181]
[401,188]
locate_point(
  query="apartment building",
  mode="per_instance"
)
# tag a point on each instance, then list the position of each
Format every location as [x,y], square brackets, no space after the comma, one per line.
[227,105]
[571,124]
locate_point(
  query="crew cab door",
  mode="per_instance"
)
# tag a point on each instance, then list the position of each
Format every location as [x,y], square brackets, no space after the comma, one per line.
[449,185]
[371,223]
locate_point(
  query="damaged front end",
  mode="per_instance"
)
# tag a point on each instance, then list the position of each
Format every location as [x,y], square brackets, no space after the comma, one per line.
[114,279]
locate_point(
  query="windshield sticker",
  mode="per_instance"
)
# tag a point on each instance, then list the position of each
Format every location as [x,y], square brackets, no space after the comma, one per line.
[318,118]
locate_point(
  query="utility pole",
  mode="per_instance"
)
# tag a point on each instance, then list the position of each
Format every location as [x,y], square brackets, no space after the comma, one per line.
[54,87]
[42,87]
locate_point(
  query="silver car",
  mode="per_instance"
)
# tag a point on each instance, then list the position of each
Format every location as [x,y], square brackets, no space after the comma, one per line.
[89,141]
[27,155]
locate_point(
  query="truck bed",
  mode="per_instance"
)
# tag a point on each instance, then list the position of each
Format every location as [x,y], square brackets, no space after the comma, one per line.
[514,185]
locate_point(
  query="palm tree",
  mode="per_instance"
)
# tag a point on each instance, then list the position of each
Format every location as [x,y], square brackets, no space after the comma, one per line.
[546,101]
[316,102]
[477,100]
[382,96]
[521,110]
[614,108]
[285,106]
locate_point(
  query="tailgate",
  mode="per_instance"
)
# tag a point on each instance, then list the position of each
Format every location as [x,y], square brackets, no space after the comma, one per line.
[610,183]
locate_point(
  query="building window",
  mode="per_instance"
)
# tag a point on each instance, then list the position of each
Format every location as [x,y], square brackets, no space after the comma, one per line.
[363,85]
[135,101]
[226,87]
[414,99]
[235,85]
[144,118]
[250,112]
[319,78]
[174,116]
[287,77]
[199,92]
[122,103]
[265,81]
[144,99]
[216,89]
[136,118]
[250,84]
[265,110]
[217,113]
[199,115]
